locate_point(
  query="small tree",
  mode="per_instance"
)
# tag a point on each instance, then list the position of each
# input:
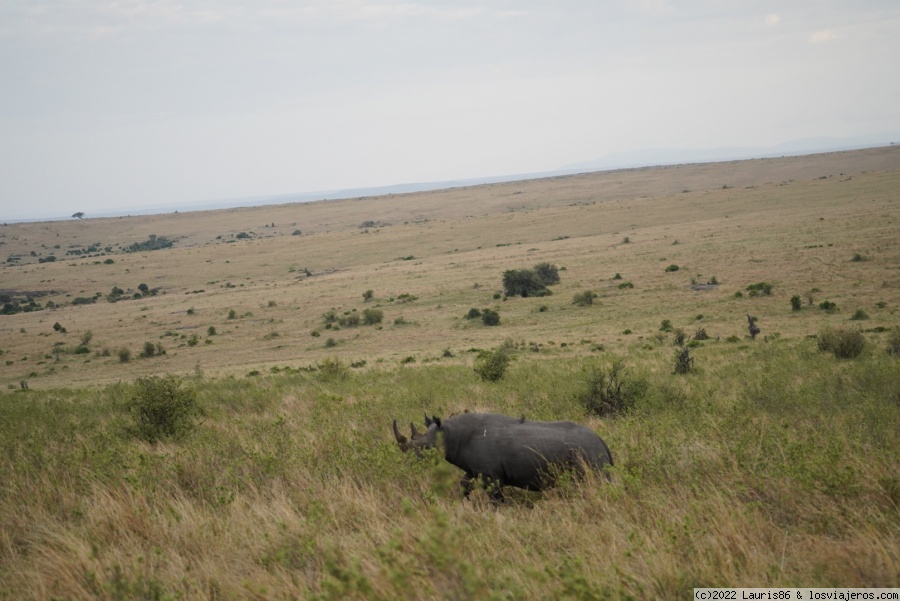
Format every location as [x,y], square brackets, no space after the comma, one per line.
[78,215]
[796,303]
[547,273]
[367,295]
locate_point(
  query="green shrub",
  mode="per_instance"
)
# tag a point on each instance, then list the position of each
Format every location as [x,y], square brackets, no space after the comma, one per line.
[333,368]
[893,347]
[473,313]
[367,295]
[844,344]
[760,289]
[547,273]
[524,283]
[124,354]
[859,315]
[372,316]
[672,267]
[584,299]
[828,306]
[489,317]
[626,285]
[701,334]
[349,321]
[606,390]
[665,325]
[491,365]
[684,363]
[162,408]
[796,303]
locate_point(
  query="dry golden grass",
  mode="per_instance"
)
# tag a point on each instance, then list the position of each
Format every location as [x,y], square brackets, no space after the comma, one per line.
[793,222]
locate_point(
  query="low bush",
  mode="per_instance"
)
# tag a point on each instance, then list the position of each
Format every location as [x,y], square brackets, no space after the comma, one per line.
[607,390]
[843,344]
[760,289]
[672,268]
[893,346]
[828,306]
[489,317]
[162,408]
[372,316]
[491,365]
[584,299]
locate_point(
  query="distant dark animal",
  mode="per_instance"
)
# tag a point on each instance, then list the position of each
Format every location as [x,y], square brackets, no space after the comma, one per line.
[509,451]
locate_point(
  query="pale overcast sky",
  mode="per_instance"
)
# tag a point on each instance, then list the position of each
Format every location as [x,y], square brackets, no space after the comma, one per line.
[129,103]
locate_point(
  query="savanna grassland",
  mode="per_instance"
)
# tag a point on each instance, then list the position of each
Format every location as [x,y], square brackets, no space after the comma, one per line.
[298,332]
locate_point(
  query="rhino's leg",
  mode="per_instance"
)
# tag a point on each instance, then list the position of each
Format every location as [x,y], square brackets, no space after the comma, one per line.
[466,486]
[494,490]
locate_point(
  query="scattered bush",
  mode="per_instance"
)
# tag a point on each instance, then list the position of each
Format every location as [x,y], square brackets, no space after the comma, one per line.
[584,299]
[489,317]
[372,316]
[701,334]
[665,325]
[547,273]
[844,344]
[530,282]
[491,365]
[606,391]
[124,354]
[760,289]
[618,276]
[858,258]
[680,337]
[684,363]
[859,315]
[626,285]
[796,303]
[161,408]
[211,331]
[893,346]
[672,268]
[350,321]
[828,306]
[367,295]
[473,313]
[333,368]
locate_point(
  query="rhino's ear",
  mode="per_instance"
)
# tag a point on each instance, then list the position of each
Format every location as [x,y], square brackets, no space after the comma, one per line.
[428,421]
[401,440]
[412,427]
[436,420]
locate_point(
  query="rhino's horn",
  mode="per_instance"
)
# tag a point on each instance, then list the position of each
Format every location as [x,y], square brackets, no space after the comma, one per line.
[400,438]
[412,427]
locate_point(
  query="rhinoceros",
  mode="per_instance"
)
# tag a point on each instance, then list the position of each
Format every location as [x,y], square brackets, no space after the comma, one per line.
[509,451]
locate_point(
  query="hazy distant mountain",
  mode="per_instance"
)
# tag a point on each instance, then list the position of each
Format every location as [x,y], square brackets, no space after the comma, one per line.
[673,156]
[619,160]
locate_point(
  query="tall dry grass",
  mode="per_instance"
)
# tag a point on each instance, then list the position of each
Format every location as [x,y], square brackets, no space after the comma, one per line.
[774,466]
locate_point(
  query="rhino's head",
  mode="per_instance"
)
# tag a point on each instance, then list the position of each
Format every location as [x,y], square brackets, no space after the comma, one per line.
[416,442]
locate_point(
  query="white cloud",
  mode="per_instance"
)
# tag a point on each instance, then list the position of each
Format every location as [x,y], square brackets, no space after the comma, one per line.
[772,19]
[820,37]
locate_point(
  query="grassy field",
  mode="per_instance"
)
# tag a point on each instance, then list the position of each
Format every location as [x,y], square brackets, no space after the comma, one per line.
[772,463]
